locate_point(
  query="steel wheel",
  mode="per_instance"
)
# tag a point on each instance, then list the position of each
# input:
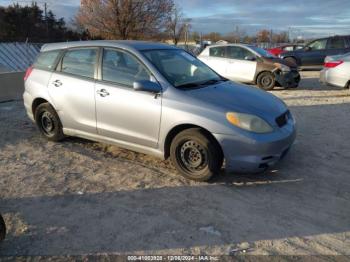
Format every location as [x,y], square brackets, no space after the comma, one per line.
[196,155]
[193,156]
[47,123]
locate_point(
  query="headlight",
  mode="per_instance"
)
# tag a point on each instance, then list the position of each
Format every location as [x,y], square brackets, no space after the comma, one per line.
[249,122]
[282,67]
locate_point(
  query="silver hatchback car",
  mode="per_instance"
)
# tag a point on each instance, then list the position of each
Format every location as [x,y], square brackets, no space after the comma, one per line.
[156,99]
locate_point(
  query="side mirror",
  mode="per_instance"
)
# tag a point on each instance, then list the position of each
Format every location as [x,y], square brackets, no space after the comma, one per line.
[250,58]
[307,48]
[147,86]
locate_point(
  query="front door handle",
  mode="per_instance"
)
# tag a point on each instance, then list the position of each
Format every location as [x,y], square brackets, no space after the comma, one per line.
[103,92]
[57,83]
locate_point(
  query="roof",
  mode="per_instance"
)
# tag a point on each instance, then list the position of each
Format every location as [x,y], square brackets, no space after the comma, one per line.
[221,45]
[16,57]
[125,44]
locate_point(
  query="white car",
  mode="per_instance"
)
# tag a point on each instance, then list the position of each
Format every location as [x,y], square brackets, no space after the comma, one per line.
[250,64]
[336,71]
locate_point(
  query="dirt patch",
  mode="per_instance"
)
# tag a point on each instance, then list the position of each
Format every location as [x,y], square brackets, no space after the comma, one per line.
[79,197]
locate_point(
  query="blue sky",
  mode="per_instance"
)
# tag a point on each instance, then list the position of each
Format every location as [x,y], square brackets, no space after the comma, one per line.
[309,18]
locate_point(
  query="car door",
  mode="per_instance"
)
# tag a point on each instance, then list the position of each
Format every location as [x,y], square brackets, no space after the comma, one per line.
[216,59]
[72,89]
[241,64]
[124,114]
[314,53]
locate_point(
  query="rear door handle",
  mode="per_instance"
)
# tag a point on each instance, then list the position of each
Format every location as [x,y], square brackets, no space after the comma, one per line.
[103,92]
[57,83]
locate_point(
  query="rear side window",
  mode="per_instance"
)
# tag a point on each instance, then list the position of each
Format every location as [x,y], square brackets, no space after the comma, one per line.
[217,51]
[288,48]
[80,62]
[47,60]
[336,43]
[236,52]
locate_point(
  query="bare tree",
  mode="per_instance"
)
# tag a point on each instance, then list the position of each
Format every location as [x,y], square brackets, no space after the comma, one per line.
[124,19]
[178,25]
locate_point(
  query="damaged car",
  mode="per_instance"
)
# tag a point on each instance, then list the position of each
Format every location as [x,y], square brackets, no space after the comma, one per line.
[251,64]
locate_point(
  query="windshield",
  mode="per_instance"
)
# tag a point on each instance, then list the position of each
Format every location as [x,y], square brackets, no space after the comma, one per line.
[262,52]
[181,69]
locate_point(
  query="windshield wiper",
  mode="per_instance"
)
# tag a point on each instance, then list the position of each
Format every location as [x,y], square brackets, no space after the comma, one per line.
[189,85]
[212,82]
[202,84]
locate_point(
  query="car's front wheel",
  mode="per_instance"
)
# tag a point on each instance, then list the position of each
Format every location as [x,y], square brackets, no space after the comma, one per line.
[195,155]
[2,229]
[48,122]
[266,81]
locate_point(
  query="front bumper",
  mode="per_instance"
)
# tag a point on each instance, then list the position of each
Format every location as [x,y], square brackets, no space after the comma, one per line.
[257,152]
[289,79]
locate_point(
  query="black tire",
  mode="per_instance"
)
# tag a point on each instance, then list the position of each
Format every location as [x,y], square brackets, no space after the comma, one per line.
[195,155]
[2,229]
[266,81]
[291,60]
[48,122]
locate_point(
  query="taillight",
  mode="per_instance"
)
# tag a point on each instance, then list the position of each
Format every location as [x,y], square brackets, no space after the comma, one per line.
[28,72]
[332,64]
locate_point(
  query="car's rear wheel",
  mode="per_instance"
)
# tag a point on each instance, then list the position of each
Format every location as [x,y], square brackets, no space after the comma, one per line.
[48,122]
[266,81]
[2,229]
[195,155]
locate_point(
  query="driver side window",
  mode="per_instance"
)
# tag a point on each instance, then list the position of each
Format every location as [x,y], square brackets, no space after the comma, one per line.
[122,68]
[318,44]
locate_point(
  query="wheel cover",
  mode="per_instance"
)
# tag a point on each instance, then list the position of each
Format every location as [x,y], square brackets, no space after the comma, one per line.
[266,80]
[47,123]
[193,156]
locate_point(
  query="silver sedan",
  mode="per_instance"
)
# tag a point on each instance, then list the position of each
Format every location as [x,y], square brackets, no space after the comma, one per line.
[336,71]
[156,99]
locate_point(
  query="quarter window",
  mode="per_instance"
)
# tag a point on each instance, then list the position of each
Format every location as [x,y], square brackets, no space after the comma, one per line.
[80,62]
[122,68]
[46,60]
[217,51]
[336,43]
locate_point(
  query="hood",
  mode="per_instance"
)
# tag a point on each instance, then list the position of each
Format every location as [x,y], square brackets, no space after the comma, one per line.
[279,60]
[230,96]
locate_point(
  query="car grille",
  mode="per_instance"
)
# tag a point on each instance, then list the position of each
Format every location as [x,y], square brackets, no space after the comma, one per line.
[282,119]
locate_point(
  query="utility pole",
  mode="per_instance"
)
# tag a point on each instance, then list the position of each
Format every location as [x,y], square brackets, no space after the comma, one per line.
[46,22]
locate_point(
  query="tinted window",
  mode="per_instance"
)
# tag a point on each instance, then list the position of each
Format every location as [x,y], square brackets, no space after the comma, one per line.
[217,51]
[80,62]
[318,44]
[46,60]
[122,68]
[336,43]
[237,52]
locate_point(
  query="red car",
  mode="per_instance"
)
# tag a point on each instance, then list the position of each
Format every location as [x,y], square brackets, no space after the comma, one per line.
[284,48]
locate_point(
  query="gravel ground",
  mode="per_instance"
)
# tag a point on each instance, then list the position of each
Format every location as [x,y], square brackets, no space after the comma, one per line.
[79,197]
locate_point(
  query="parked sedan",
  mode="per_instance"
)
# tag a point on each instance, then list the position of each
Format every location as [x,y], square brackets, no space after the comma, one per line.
[284,48]
[336,71]
[156,99]
[250,64]
[313,54]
